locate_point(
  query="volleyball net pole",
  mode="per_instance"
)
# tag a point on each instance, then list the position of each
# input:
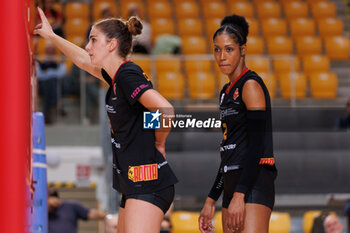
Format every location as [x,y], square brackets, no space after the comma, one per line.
[15,115]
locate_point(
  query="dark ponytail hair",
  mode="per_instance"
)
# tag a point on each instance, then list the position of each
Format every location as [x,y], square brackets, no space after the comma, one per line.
[236,26]
[121,31]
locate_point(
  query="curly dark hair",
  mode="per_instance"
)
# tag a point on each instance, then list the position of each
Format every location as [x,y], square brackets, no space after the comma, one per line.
[236,26]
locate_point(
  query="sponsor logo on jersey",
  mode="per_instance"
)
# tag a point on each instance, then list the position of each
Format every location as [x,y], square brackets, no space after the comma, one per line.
[227,112]
[267,161]
[151,120]
[143,172]
[236,94]
[138,90]
[110,109]
[162,164]
[229,168]
[228,147]
[116,144]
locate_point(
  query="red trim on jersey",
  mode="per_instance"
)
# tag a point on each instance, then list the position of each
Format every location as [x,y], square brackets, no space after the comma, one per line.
[118,69]
[233,83]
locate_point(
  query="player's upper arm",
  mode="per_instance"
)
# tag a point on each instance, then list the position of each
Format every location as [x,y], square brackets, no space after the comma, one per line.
[153,100]
[253,95]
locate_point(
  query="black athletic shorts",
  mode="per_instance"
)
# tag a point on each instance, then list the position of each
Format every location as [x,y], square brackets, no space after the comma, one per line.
[263,191]
[162,198]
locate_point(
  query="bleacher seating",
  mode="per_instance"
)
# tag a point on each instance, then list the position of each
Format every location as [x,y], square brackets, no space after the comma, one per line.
[180,1]
[171,64]
[203,2]
[197,66]
[190,27]
[323,85]
[76,27]
[283,2]
[330,27]
[58,7]
[301,27]
[211,25]
[259,64]
[295,10]
[171,84]
[287,27]
[280,222]
[127,5]
[77,10]
[288,81]
[308,45]
[270,82]
[279,45]
[274,27]
[255,45]
[213,9]
[337,47]
[286,65]
[259,1]
[314,1]
[323,9]
[254,27]
[159,9]
[269,9]
[98,7]
[41,44]
[93,1]
[316,63]
[184,222]
[187,9]
[308,220]
[244,8]
[77,39]
[162,26]
[202,85]
[194,45]
[145,64]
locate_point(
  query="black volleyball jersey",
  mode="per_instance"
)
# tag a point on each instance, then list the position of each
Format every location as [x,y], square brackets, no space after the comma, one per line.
[138,167]
[233,115]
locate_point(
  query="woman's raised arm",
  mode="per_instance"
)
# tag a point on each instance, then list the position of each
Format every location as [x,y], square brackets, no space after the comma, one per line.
[79,56]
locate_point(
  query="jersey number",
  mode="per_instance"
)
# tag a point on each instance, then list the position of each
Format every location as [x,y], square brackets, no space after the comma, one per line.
[225,130]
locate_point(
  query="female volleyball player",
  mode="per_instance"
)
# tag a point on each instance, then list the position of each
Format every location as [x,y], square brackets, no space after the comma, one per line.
[140,171]
[247,170]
